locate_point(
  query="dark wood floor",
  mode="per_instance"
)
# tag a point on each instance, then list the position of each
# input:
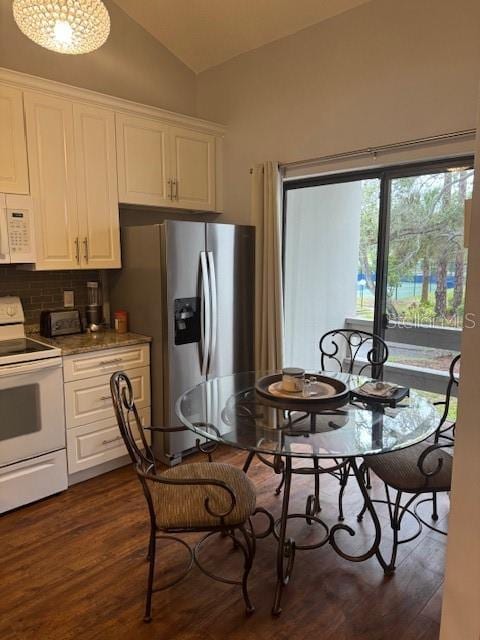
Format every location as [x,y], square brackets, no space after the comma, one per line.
[73,566]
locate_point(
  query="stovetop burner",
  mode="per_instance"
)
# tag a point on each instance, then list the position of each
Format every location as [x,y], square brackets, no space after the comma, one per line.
[20,346]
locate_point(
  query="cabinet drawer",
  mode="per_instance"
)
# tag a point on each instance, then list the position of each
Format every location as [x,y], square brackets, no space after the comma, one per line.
[94,444]
[89,400]
[90,365]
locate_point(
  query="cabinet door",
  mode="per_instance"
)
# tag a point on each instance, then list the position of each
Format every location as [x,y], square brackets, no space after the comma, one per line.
[13,148]
[142,156]
[93,444]
[51,161]
[89,400]
[193,169]
[96,169]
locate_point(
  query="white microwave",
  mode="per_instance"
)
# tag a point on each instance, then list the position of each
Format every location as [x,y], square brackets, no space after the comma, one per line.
[17,241]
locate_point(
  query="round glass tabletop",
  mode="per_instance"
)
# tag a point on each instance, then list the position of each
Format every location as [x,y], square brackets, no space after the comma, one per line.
[229,410]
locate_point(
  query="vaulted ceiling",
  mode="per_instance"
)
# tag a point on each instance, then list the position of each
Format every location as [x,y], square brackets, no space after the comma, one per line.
[205,33]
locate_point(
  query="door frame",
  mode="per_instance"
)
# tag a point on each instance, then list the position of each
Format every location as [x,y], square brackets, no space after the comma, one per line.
[385,174]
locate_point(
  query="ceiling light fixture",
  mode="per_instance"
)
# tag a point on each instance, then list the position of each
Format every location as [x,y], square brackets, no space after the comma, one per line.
[64,26]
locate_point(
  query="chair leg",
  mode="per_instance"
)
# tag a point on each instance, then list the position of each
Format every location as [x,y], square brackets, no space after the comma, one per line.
[282,482]
[344,474]
[435,507]
[249,551]
[368,485]
[248,461]
[152,533]
[362,512]
[395,520]
[151,570]
[368,482]
[231,533]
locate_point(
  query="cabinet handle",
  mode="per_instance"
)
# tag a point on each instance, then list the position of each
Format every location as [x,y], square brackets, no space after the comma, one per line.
[106,363]
[105,398]
[77,250]
[85,244]
[112,440]
[170,191]
[175,194]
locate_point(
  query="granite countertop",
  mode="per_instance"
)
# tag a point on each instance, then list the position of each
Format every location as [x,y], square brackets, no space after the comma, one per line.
[85,342]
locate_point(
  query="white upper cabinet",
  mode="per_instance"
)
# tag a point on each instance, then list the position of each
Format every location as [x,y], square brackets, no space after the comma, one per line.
[166,166]
[51,159]
[79,153]
[142,153]
[13,146]
[97,197]
[193,169]
[72,161]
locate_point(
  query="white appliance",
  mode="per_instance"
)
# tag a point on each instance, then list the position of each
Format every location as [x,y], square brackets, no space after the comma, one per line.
[17,241]
[33,461]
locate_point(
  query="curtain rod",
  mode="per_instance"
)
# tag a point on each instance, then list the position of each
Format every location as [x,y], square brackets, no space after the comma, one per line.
[375,150]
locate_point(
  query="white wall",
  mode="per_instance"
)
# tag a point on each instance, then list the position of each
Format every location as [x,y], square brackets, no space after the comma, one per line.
[131,64]
[383,72]
[321,259]
[461,605]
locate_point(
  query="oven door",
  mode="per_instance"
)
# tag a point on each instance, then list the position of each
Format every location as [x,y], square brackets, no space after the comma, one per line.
[32,417]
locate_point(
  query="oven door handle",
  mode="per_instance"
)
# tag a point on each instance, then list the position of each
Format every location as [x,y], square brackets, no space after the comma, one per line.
[29,367]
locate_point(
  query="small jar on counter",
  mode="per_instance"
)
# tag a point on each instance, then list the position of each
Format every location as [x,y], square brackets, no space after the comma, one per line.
[120,321]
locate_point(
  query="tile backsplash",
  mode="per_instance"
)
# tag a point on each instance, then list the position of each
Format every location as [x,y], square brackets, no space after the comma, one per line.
[44,289]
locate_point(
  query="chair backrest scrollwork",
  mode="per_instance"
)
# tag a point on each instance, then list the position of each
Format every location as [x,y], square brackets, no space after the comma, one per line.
[129,422]
[453,380]
[347,349]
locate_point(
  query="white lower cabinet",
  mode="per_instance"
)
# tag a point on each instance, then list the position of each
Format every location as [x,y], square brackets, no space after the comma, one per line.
[96,363]
[89,400]
[93,436]
[93,444]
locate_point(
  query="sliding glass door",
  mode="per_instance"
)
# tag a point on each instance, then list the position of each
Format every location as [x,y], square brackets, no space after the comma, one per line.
[330,253]
[382,251]
[425,284]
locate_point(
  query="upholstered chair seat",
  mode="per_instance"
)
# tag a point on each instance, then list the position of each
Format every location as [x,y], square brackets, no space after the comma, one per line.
[400,469]
[183,506]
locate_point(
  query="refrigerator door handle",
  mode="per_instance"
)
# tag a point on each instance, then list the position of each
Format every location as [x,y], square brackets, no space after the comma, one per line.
[214,306]
[206,312]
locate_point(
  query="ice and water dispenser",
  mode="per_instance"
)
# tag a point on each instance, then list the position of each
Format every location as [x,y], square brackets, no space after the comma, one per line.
[187,320]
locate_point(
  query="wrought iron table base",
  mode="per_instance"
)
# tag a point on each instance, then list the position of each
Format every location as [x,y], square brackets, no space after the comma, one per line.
[287,546]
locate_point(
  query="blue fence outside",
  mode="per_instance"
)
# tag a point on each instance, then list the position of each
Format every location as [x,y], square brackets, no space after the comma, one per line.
[409,287]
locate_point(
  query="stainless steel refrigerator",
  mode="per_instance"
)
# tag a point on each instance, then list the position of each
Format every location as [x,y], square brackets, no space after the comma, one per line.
[190,286]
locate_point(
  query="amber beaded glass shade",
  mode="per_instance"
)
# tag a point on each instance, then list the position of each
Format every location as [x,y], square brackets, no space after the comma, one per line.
[64,26]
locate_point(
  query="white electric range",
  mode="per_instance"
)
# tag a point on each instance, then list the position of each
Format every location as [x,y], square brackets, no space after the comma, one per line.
[33,460]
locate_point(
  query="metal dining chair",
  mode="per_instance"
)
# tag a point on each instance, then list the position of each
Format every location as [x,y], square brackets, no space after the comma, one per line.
[344,351]
[354,352]
[205,497]
[422,469]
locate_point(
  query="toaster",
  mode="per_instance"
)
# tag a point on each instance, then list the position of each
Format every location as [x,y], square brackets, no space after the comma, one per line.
[60,322]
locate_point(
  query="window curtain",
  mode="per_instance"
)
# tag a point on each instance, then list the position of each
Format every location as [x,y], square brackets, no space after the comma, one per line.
[266,216]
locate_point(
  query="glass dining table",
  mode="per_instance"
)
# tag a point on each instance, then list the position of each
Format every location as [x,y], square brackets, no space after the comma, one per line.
[230,410]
